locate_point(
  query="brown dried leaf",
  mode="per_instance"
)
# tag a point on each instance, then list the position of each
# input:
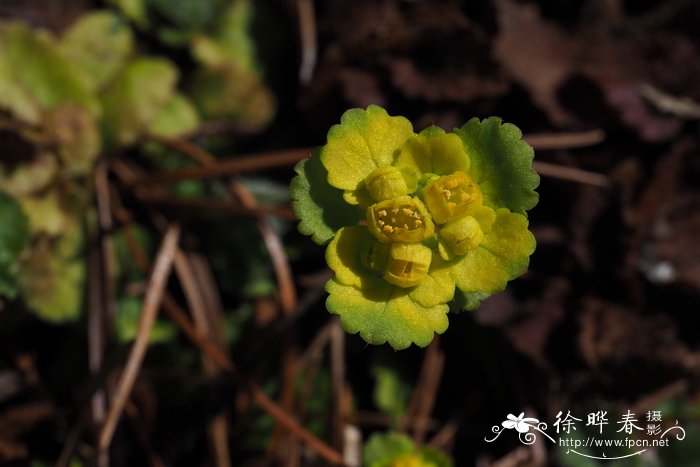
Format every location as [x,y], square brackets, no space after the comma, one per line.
[448,85]
[536,54]
[18,420]
[625,345]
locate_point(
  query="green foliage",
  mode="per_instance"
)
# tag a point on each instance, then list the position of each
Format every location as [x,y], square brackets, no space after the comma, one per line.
[228,91]
[14,236]
[391,393]
[52,281]
[397,450]
[128,316]
[98,44]
[140,92]
[501,163]
[177,118]
[65,98]
[444,212]
[324,210]
[36,75]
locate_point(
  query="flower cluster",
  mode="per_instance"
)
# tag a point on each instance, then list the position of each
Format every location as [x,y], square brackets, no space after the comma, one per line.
[415,221]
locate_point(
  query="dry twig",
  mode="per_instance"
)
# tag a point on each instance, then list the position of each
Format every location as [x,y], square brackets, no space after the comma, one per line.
[149,311]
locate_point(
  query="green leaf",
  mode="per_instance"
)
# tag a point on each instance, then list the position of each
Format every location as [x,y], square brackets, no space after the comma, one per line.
[319,206]
[98,44]
[503,255]
[230,42]
[178,118]
[434,457]
[381,312]
[30,177]
[186,15]
[135,10]
[467,301]
[229,91]
[16,99]
[46,215]
[34,63]
[501,163]
[363,141]
[381,449]
[391,393]
[128,316]
[136,97]
[14,237]
[432,151]
[77,136]
[52,281]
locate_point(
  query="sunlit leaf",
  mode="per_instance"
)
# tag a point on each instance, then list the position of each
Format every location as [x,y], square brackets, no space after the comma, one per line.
[135,10]
[46,215]
[230,41]
[137,96]
[319,206]
[52,281]
[177,118]
[229,91]
[381,449]
[98,44]
[501,163]
[34,63]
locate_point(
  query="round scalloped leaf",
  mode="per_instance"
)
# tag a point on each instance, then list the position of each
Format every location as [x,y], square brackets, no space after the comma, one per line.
[432,151]
[228,91]
[52,281]
[467,301]
[98,44]
[503,255]
[501,163]
[319,207]
[381,449]
[135,98]
[363,141]
[230,41]
[178,118]
[438,286]
[14,97]
[381,313]
[35,64]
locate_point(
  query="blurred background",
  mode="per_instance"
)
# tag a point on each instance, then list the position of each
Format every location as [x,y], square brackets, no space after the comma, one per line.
[136,133]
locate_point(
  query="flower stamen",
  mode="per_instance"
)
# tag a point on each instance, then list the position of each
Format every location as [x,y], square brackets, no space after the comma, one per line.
[409,222]
[452,196]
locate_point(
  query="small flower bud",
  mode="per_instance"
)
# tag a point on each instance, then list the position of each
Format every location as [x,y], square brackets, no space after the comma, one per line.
[452,196]
[408,264]
[402,219]
[386,183]
[375,255]
[461,235]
